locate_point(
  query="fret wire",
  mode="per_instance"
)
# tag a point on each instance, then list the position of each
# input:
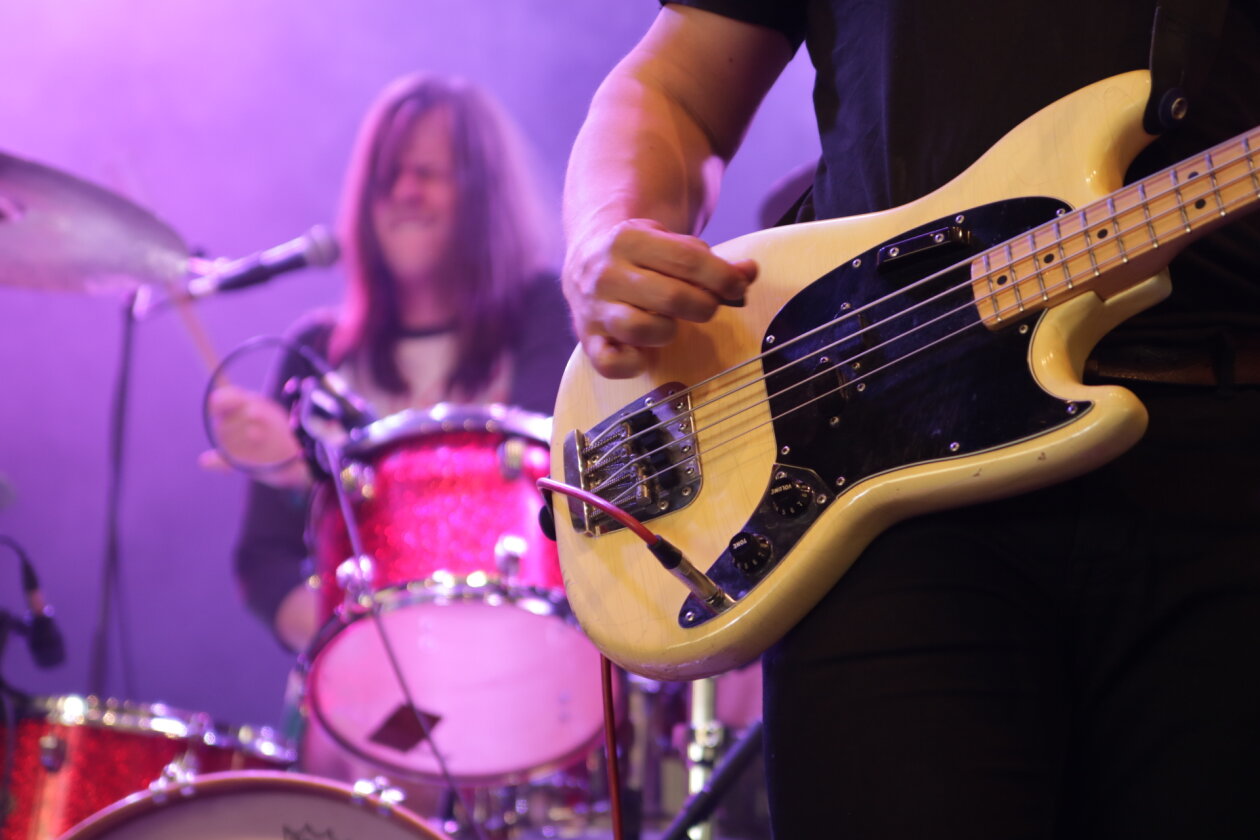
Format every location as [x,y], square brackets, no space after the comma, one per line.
[1036,261]
[1119,238]
[988,275]
[1063,257]
[1010,266]
[1251,163]
[1089,247]
[1181,201]
[1216,189]
[1146,212]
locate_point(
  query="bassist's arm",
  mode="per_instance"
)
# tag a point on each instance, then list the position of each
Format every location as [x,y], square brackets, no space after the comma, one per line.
[643,178]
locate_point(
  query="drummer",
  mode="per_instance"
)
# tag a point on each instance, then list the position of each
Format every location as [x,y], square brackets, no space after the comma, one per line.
[447,300]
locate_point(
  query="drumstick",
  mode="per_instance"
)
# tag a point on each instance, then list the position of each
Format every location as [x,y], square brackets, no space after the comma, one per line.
[183,303]
[200,338]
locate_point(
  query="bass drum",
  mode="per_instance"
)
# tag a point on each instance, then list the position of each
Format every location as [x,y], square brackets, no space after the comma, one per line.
[255,805]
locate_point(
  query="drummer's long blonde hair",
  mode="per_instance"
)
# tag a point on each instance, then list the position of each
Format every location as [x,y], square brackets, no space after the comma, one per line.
[500,243]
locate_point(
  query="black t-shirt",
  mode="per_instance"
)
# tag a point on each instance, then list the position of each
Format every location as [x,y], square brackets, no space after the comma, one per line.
[909,93]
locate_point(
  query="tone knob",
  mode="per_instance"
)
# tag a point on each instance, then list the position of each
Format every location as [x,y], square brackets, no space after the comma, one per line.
[750,552]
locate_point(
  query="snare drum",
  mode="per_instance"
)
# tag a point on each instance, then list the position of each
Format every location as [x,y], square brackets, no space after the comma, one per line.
[256,805]
[469,595]
[75,755]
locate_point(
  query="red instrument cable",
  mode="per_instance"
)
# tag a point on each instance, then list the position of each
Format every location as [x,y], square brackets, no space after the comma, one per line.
[610,722]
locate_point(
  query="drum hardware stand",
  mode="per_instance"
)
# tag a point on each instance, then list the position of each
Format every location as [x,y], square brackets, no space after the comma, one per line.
[180,772]
[360,573]
[699,806]
[707,735]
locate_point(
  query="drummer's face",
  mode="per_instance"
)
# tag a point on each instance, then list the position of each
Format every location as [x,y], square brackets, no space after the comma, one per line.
[414,218]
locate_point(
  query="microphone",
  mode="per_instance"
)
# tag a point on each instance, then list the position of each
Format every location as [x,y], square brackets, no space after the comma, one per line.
[316,247]
[350,408]
[48,649]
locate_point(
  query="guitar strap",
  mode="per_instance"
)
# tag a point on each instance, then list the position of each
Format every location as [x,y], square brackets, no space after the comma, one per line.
[1184,40]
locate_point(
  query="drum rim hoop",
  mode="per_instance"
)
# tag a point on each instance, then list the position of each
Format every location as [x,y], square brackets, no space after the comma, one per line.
[133,717]
[490,418]
[220,784]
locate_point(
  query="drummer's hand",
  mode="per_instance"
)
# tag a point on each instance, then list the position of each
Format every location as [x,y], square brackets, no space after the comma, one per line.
[628,288]
[297,619]
[254,430]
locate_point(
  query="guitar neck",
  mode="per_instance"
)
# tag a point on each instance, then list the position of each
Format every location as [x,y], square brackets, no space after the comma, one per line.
[1111,244]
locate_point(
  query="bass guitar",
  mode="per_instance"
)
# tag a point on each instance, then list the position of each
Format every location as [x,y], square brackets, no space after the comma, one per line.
[883,366]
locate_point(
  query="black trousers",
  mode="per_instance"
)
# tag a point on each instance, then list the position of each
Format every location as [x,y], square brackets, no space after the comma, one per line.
[1078,662]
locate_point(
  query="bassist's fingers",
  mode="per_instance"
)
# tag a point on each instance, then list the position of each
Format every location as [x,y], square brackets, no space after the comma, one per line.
[612,359]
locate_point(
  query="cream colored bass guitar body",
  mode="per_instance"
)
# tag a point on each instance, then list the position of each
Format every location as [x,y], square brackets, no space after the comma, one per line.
[884,365]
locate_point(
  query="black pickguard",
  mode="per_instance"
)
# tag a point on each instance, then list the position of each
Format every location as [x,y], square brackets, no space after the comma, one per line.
[895,369]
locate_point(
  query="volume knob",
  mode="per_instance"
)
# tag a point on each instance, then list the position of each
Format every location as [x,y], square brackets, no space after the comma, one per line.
[790,497]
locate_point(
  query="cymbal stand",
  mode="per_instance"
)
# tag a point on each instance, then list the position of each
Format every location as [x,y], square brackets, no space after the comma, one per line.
[111,575]
[359,567]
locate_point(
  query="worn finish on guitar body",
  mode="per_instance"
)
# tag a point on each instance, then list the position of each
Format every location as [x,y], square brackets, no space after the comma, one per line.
[789,503]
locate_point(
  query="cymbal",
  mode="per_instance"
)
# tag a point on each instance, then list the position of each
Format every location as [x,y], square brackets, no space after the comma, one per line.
[59,233]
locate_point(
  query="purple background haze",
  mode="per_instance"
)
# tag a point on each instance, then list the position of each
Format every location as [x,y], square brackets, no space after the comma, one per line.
[231,120]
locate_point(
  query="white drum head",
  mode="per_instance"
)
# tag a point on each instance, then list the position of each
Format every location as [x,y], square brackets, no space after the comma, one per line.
[258,805]
[509,694]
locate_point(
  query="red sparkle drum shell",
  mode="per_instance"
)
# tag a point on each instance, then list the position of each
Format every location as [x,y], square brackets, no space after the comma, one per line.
[468,593]
[255,805]
[75,755]
[435,494]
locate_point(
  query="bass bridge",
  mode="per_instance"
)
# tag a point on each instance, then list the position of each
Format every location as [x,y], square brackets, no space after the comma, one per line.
[643,459]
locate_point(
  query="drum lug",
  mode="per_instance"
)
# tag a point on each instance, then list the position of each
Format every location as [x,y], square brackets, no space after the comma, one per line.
[511,458]
[358,480]
[508,551]
[175,776]
[52,752]
[356,576]
[378,788]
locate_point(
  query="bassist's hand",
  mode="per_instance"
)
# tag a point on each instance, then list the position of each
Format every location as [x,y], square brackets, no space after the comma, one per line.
[628,287]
